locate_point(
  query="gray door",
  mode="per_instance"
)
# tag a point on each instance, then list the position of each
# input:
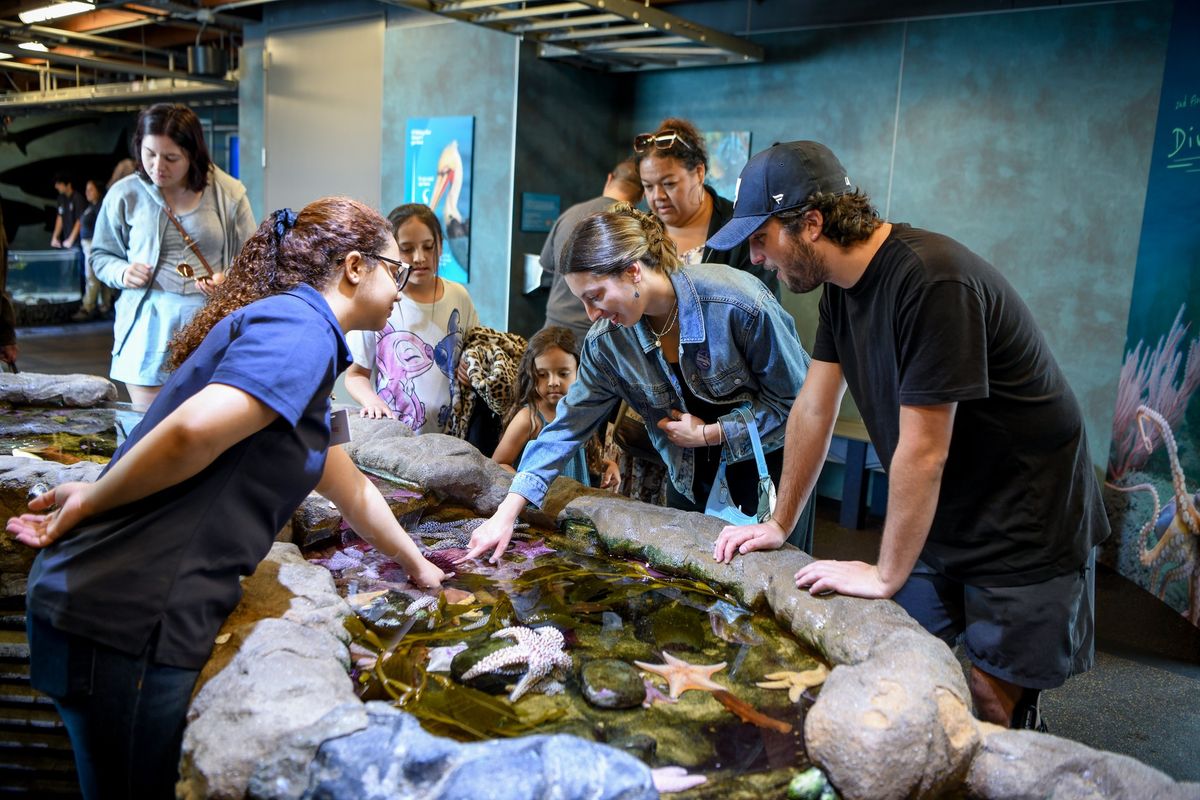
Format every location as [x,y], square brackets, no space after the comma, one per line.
[323,116]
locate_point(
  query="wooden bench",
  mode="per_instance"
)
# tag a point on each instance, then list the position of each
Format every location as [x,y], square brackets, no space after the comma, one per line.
[851,447]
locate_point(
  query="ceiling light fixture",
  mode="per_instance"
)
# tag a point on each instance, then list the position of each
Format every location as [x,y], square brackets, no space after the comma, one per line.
[54,11]
[37,47]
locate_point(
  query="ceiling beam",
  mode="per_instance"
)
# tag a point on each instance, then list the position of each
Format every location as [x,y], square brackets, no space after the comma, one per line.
[43,33]
[138,93]
[120,67]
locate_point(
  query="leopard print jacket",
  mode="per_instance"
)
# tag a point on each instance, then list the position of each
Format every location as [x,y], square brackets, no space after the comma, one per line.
[492,358]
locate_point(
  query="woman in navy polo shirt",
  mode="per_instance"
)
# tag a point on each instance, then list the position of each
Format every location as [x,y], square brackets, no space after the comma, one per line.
[141,567]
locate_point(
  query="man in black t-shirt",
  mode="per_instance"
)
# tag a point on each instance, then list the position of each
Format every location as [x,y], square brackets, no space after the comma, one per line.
[70,208]
[994,509]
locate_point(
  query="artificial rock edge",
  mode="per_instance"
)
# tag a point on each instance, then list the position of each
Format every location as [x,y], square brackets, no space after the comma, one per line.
[892,721]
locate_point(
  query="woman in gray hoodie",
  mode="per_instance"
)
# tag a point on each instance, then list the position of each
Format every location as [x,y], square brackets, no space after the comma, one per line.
[164,237]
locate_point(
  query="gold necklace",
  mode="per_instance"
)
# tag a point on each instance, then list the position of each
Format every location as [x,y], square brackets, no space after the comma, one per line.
[670,324]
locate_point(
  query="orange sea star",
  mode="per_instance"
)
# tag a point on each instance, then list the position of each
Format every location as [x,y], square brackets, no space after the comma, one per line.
[682,676]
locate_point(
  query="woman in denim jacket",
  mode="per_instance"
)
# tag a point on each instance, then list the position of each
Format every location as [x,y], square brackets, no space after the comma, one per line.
[684,347]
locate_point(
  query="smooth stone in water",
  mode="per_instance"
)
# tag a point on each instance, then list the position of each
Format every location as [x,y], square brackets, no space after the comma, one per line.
[640,745]
[609,683]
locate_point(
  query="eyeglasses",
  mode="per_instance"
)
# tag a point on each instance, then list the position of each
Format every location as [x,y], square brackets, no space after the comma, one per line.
[663,140]
[399,270]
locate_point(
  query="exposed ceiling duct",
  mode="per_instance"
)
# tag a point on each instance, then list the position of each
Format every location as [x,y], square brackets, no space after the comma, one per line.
[122,54]
[616,35]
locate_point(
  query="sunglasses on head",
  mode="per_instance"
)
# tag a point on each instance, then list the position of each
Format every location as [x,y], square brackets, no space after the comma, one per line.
[663,140]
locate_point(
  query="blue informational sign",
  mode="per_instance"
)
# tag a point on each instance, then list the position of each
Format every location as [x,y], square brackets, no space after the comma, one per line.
[437,159]
[538,211]
[235,157]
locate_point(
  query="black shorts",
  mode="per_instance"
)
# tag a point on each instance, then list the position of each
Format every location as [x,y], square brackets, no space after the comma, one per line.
[1035,636]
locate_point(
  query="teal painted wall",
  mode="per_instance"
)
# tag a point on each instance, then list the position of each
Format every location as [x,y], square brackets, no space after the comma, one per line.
[432,67]
[567,123]
[437,68]
[1025,135]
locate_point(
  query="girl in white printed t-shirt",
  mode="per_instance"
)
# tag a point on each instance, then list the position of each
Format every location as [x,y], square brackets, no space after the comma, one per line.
[410,369]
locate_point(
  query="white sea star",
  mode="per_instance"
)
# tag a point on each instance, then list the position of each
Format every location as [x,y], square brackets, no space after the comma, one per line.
[541,650]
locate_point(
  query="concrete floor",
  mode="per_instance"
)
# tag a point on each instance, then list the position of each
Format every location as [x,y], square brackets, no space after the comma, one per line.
[1141,699]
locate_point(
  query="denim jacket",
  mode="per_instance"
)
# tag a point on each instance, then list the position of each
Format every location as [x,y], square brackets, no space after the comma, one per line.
[737,345]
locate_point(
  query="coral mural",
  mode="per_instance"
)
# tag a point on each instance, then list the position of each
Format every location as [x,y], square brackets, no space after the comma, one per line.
[1155,451]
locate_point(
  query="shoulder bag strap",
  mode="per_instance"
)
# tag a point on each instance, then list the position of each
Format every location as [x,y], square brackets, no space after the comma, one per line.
[187,239]
[755,441]
[766,489]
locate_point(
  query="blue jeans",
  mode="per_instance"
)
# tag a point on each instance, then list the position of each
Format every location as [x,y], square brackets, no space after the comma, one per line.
[125,714]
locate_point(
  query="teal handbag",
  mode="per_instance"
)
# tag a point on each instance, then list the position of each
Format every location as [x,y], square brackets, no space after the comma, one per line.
[720,504]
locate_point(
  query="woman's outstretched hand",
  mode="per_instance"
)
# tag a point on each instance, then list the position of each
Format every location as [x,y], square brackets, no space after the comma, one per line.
[495,534]
[41,530]
[429,575]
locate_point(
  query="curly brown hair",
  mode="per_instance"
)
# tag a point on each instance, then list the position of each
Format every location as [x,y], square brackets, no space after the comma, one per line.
[848,218]
[287,250]
[688,148]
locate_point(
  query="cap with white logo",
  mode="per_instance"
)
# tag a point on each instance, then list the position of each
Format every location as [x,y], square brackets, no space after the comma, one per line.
[777,179]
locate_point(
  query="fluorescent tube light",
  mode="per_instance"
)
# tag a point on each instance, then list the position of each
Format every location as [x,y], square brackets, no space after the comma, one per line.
[37,47]
[54,11]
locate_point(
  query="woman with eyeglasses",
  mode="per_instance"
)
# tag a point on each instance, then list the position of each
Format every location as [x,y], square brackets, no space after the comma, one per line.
[140,569]
[410,370]
[164,236]
[689,349]
[673,161]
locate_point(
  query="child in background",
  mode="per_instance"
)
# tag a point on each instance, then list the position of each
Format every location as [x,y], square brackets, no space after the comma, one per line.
[546,373]
[410,370]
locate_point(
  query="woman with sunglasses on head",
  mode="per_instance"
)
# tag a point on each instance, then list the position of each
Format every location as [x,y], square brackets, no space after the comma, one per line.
[673,162]
[688,349]
[140,569]
[411,369]
[164,236]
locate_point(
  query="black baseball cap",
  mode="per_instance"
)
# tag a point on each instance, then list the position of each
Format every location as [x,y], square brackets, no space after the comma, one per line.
[777,179]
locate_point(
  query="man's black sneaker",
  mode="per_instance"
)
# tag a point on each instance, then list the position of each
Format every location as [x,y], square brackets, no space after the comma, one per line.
[1027,714]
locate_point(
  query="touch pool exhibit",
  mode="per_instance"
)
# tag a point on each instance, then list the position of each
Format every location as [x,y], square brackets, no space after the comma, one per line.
[607,654]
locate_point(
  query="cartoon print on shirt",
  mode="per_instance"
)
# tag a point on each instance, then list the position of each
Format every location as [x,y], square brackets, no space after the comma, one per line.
[402,356]
[446,355]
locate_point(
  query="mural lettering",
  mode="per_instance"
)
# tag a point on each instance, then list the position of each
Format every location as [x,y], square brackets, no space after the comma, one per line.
[1184,141]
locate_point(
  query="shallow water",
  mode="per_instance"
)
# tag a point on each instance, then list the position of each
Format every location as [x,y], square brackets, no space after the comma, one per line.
[747,739]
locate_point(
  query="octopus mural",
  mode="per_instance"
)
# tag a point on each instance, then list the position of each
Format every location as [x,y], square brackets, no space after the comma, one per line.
[1175,554]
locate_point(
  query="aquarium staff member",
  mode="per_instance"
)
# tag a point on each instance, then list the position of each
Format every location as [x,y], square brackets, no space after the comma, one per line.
[141,568]
[994,510]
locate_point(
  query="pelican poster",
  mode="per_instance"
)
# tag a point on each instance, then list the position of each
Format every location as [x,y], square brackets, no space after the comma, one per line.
[438,172]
